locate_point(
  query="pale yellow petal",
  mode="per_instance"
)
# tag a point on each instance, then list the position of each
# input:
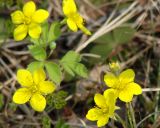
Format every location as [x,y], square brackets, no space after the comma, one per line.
[20,32]
[100,100]
[38,102]
[134,88]
[102,121]
[40,16]
[69,7]
[38,76]
[17,17]
[94,114]
[72,25]
[29,8]
[46,87]
[127,76]
[35,30]
[24,77]
[110,80]
[21,96]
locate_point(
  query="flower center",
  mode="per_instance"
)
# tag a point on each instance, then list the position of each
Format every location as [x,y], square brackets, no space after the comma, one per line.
[27,20]
[34,88]
[105,110]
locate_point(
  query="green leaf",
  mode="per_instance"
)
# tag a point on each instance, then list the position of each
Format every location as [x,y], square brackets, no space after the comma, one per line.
[54,72]
[68,68]
[38,52]
[45,28]
[61,124]
[34,66]
[71,65]
[54,32]
[123,34]
[1,101]
[71,56]
[46,122]
[81,70]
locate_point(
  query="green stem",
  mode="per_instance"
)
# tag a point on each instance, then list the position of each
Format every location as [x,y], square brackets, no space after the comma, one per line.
[121,120]
[131,116]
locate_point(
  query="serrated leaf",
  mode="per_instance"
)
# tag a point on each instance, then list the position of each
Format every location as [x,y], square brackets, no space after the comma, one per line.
[45,28]
[38,52]
[71,56]
[54,32]
[34,66]
[68,69]
[81,70]
[54,72]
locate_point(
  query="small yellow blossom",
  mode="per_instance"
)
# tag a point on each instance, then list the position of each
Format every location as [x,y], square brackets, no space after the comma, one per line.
[104,110]
[74,19]
[123,85]
[33,88]
[28,21]
[114,66]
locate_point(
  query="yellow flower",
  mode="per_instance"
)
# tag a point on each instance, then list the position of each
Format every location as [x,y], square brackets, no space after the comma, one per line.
[33,88]
[74,19]
[104,110]
[123,85]
[28,21]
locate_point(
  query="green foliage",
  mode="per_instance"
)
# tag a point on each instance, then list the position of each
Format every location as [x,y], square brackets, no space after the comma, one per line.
[110,40]
[35,65]
[71,65]
[54,71]
[1,101]
[61,124]
[12,106]
[46,122]
[54,32]
[57,100]
[38,52]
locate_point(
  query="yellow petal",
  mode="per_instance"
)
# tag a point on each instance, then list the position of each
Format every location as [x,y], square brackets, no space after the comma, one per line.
[21,96]
[69,7]
[110,80]
[110,96]
[40,16]
[84,29]
[72,25]
[24,77]
[46,87]
[100,100]
[102,121]
[127,76]
[134,88]
[125,95]
[34,30]
[38,76]
[29,8]
[38,102]
[94,114]
[20,32]
[17,17]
